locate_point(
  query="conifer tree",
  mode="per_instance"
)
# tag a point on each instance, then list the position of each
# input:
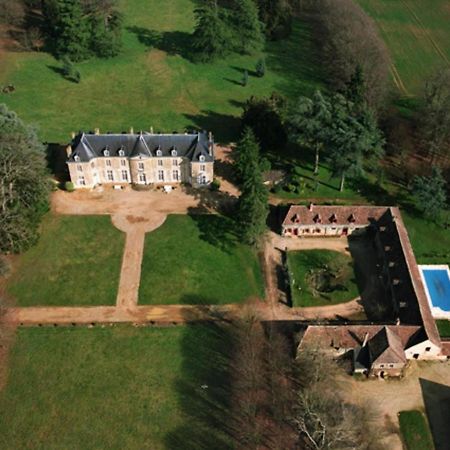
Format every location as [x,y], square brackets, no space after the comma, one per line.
[253,202]
[430,193]
[247,29]
[211,38]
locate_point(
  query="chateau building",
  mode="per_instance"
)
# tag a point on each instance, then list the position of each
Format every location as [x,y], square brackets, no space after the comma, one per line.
[142,159]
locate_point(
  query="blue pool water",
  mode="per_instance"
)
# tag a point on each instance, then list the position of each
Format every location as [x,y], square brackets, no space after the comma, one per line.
[438,284]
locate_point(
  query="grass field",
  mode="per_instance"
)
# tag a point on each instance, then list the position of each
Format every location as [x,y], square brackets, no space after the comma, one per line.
[415,431]
[153,82]
[117,388]
[417,34]
[444,328]
[301,263]
[75,263]
[198,260]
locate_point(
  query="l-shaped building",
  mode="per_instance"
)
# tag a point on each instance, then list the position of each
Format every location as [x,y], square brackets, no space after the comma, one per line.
[143,158]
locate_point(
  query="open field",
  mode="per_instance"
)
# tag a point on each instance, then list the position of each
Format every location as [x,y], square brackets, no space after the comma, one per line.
[119,387]
[305,291]
[198,260]
[415,430]
[417,34]
[75,263]
[153,82]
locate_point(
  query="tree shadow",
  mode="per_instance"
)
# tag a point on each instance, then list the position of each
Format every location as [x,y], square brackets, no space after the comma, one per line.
[219,231]
[235,82]
[56,157]
[226,127]
[436,397]
[171,42]
[203,389]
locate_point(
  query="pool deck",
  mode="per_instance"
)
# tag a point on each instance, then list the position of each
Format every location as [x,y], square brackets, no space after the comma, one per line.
[437,312]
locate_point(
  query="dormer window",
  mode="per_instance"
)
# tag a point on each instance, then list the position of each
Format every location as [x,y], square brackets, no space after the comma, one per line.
[352,218]
[174,152]
[296,218]
[317,218]
[158,152]
[202,158]
[76,158]
[106,152]
[333,218]
[121,152]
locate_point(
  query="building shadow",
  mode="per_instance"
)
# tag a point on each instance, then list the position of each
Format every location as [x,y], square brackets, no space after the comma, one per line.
[436,398]
[203,389]
[56,157]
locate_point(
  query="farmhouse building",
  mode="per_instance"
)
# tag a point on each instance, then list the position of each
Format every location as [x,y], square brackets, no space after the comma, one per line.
[142,159]
[381,349]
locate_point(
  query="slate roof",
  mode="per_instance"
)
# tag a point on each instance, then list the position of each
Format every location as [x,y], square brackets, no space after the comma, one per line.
[338,215]
[142,145]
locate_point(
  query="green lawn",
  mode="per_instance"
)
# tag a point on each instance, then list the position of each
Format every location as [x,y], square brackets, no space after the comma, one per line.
[302,263]
[198,260]
[75,263]
[444,328]
[117,388]
[417,34]
[153,82]
[415,430]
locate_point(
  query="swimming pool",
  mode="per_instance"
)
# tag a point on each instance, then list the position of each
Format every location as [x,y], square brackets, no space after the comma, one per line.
[437,286]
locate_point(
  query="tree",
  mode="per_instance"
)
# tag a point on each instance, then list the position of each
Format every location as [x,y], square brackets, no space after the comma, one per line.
[260,68]
[247,28]
[353,139]
[355,88]
[430,193]
[68,28]
[24,185]
[12,12]
[245,78]
[253,202]
[211,38]
[265,116]
[277,18]
[309,123]
[106,36]
[436,116]
[69,70]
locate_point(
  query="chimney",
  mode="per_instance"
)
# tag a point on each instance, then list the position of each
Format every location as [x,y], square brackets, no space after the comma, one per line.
[151,130]
[366,338]
[69,150]
[131,130]
[97,131]
[311,206]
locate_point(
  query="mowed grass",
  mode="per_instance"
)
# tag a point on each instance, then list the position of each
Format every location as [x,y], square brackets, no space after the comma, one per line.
[415,430]
[116,388]
[300,265]
[443,327]
[417,34]
[75,263]
[198,259]
[153,82]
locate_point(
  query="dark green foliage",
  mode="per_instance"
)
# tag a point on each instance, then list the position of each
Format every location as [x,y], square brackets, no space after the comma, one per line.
[211,38]
[69,71]
[265,117]
[430,193]
[4,267]
[69,186]
[245,78]
[355,88]
[253,207]
[260,68]
[24,186]
[79,30]
[247,29]
[215,184]
[277,18]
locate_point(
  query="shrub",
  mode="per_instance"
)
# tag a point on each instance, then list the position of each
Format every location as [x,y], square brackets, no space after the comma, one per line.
[260,68]
[69,186]
[215,185]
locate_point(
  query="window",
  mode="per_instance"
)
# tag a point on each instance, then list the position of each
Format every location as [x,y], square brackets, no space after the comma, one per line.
[428,349]
[106,152]
[80,168]
[81,181]
[92,164]
[160,175]
[110,175]
[202,158]
[76,158]
[201,179]
[158,152]
[142,178]
[174,152]
[391,365]
[121,152]
[174,162]
[175,175]
[381,365]
[160,162]
[141,166]
[202,168]
[124,175]
[123,163]
[108,162]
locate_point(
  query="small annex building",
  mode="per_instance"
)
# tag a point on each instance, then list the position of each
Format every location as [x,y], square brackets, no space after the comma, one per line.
[144,158]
